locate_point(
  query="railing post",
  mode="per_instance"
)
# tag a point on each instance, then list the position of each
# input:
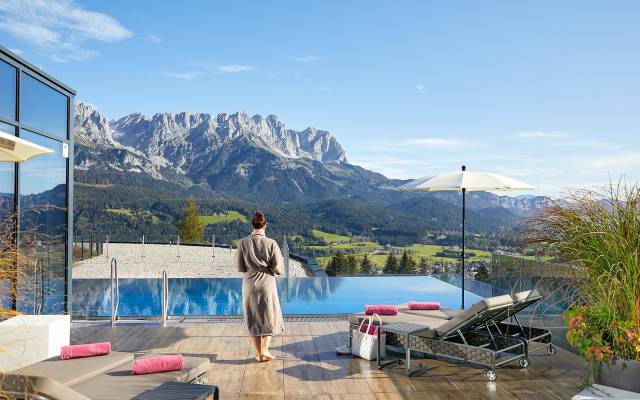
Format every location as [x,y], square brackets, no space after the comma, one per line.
[213,248]
[285,250]
[142,247]
[91,245]
[165,298]
[107,252]
[178,245]
[81,248]
[115,291]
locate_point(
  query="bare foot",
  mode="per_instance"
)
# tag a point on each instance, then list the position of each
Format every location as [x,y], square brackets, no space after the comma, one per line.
[259,358]
[268,356]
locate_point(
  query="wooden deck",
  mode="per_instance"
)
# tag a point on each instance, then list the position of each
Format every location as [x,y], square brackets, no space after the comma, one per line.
[307,366]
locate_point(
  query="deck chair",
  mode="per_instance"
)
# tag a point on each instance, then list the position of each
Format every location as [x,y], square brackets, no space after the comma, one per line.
[506,322]
[459,338]
[93,378]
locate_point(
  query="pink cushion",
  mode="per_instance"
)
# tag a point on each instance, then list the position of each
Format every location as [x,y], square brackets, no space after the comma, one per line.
[424,305]
[158,364]
[381,310]
[85,350]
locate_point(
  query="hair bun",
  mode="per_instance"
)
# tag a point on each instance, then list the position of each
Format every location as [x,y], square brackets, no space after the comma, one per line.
[259,220]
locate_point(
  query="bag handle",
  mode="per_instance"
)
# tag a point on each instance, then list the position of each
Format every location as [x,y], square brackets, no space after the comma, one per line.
[361,323]
[379,319]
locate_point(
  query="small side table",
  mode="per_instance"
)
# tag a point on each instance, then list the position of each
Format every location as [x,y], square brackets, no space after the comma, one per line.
[180,391]
[407,329]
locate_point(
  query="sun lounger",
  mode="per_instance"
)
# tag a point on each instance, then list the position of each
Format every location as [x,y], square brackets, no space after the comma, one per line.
[506,322]
[94,378]
[459,338]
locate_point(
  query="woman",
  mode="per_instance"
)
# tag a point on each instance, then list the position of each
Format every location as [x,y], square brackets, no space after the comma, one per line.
[260,259]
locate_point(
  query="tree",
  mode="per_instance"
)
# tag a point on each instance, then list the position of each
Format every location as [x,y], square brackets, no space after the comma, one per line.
[391,265]
[482,274]
[423,267]
[191,228]
[337,265]
[407,264]
[352,266]
[366,268]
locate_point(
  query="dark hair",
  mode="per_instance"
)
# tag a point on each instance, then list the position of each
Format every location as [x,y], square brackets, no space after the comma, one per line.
[258,221]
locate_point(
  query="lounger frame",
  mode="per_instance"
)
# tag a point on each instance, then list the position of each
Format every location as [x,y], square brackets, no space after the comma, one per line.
[473,347]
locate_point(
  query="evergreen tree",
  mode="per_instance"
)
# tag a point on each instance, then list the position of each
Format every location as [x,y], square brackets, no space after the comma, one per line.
[352,266]
[191,228]
[391,265]
[366,268]
[337,265]
[407,264]
[423,266]
[482,274]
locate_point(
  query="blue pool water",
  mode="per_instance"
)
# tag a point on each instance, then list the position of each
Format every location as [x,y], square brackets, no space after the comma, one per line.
[223,296]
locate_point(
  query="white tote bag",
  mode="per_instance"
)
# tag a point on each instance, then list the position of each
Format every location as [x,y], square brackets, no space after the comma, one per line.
[364,344]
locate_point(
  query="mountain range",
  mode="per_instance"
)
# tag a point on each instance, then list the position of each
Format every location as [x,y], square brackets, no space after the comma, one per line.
[259,161]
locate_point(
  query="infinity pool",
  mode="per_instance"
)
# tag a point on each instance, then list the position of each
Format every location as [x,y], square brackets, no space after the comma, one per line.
[223,296]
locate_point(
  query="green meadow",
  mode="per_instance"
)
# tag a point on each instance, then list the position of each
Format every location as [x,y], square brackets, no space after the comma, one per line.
[225,217]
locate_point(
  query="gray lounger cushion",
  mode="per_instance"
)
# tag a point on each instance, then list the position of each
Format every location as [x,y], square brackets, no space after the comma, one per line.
[118,383]
[527,295]
[70,372]
[443,313]
[48,388]
[463,318]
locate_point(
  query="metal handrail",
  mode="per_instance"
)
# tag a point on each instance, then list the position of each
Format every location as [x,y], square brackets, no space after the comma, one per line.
[115,291]
[165,298]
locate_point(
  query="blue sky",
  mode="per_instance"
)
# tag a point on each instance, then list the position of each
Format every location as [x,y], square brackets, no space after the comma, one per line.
[545,91]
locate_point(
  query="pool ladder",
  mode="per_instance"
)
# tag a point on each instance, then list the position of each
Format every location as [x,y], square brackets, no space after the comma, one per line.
[115,291]
[165,298]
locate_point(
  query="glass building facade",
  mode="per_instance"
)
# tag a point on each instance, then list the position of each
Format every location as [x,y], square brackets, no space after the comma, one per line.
[36,196]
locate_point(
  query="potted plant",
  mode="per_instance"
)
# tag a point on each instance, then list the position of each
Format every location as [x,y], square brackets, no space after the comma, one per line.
[598,234]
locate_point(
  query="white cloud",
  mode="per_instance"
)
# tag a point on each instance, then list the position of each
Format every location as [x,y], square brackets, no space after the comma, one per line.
[153,38]
[234,69]
[309,58]
[185,76]
[420,88]
[541,134]
[59,28]
[435,143]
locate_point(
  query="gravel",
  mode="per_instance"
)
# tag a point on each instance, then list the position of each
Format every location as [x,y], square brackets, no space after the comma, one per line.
[136,261]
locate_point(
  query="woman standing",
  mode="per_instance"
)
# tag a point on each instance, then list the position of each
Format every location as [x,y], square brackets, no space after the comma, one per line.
[260,259]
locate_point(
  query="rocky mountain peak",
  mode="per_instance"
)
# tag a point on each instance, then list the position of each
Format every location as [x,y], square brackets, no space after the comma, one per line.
[91,127]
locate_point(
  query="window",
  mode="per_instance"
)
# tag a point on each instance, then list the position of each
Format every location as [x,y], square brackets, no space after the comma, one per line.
[42,107]
[42,231]
[7,91]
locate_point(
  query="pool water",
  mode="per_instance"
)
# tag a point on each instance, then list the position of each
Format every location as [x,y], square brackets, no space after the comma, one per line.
[223,296]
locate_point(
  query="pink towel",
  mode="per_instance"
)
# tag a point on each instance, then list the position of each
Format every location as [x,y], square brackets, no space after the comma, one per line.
[371,330]
[424,305]
[158,364]
[381,310]
[85,350]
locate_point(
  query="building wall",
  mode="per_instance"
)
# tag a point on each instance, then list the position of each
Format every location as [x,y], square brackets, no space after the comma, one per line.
[38,192]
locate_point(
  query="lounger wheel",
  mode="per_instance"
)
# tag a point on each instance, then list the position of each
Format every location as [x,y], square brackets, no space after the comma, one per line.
[524,362]
[491,375]
[551,350]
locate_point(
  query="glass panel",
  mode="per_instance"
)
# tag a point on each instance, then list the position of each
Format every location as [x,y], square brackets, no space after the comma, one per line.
[42,107]
[42,233]
[7,91]
[7,225]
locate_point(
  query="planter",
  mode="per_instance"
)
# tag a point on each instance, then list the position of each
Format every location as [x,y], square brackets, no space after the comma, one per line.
[620,373]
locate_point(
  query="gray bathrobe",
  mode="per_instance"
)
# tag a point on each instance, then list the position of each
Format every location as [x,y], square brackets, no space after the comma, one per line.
[260,259]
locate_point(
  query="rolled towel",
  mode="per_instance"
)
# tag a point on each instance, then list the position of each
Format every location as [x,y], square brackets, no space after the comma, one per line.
[158,364]
[424,305]
[380,309]
[85,350]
